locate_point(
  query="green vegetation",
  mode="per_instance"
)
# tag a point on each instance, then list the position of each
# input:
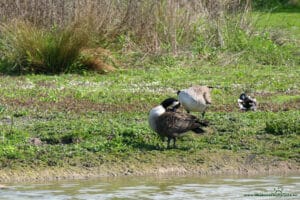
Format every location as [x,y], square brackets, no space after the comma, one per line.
[92,119]
[87,119]
[222,34]
[276,5]
[283,125]
[26,48]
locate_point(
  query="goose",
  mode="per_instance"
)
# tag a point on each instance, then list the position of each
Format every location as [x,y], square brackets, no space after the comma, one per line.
[195,99]
[246,103]
[171,124]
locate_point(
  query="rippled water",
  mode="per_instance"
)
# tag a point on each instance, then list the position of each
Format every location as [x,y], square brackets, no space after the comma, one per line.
[159,188]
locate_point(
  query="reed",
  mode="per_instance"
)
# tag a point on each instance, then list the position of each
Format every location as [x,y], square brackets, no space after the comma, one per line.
[150,25]
[216,31]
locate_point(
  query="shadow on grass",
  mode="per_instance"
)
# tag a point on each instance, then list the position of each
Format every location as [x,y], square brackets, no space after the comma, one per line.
[158,147]
[280,9]
[145,147]
[289,9]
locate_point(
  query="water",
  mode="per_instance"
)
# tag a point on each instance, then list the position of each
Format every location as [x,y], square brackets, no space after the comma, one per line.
[159,188]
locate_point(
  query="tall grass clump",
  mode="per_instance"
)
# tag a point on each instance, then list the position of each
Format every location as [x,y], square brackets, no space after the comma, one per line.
[147,26]
[25,47]
[220,31]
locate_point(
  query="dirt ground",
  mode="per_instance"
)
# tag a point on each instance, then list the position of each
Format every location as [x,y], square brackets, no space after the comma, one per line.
[211,164]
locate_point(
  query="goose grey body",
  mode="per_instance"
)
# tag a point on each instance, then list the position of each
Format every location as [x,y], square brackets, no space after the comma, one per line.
[247,103]
[195,99]
[172,124]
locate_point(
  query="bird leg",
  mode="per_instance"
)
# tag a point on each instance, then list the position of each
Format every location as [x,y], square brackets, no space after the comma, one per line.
[174,141]
[169,140]
[162,138]
[203,113]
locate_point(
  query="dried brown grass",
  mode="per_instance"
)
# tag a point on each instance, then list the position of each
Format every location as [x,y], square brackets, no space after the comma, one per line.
[98,59]
[153,26]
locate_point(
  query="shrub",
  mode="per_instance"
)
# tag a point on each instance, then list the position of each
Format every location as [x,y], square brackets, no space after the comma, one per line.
[283,126]
[10,152]
[28,48]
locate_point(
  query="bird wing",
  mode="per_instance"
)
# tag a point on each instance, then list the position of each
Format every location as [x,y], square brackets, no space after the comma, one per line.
[247,103]
[200,93]
[240,102]
[177,122]
[207,98]
[253,100]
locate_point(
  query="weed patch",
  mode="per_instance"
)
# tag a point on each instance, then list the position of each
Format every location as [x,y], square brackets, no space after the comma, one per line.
[283,125]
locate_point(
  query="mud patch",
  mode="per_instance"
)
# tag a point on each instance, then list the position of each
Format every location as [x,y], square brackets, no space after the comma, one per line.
[211,164]
[270,94]
[291,105]
[272,107]
[72,105]
[69,104]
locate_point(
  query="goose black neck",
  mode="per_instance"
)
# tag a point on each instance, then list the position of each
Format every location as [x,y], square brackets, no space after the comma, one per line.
[168,102]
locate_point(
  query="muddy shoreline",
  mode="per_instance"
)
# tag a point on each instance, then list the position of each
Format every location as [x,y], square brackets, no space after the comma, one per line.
[239,166]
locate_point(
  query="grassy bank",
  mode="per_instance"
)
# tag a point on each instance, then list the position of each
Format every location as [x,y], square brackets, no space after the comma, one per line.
[89,124]
[89,121]
[205,163]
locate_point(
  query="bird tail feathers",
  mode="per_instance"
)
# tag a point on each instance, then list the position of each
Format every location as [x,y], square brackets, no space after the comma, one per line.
[198,130]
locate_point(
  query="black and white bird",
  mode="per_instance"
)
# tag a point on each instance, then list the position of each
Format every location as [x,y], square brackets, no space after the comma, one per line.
[247,103]
[195,98]
[170,124]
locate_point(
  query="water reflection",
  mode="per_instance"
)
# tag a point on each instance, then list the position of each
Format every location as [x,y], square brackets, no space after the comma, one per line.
[157,188]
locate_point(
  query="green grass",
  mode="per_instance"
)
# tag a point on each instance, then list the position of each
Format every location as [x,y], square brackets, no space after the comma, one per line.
[285,25]
[90,119]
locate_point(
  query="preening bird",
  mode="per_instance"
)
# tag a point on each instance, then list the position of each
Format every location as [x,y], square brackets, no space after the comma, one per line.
[195,99]
[247,103]
[170,124]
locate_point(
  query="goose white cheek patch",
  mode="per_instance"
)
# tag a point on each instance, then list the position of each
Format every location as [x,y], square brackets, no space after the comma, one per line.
[175,103]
